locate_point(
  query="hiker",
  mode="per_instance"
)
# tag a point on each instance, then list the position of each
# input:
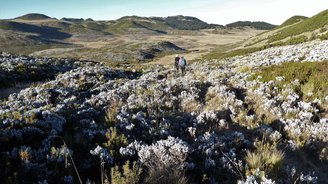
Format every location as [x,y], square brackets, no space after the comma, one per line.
[182,65]
[176,62]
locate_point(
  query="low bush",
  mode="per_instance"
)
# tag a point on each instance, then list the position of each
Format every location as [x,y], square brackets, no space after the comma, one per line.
[115,141]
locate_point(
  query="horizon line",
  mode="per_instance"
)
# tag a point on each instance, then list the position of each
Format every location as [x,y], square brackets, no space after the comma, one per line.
[115,19]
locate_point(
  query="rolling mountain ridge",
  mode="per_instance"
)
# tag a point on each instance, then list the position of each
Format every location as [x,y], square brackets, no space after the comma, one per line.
[296,29]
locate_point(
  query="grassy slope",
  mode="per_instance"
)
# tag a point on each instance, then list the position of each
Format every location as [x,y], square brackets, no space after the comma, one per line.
[231,52]
[292,20]
[313,76]
[123,26]
[311,24]
[23,38]
[155,25]
[19,43]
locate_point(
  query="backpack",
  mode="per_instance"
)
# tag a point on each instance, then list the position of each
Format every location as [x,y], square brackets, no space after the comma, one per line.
[182,62]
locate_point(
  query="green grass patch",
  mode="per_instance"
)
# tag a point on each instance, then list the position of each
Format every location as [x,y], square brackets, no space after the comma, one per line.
[95,26]
[293,41]
[313,77]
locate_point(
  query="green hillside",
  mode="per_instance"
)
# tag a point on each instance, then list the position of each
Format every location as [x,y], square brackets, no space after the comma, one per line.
[292,20]
[95,25]
[127,26]
[172,22]
[295,30]
[256,25]
[123,26]
[308,25]
[33,16]
[291,32]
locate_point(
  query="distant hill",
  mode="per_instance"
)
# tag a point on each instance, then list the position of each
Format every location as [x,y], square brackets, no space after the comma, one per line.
[124,25]
[185,22]
[41,31]
[168,23]
[256,25]
[33,16]
[72,20]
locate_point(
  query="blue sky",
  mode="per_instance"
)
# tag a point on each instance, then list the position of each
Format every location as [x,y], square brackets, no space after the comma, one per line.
[212,11]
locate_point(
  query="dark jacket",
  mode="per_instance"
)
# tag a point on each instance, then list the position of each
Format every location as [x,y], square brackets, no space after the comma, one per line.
[177,60]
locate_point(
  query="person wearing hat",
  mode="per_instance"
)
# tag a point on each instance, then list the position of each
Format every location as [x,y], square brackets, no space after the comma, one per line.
[176,62]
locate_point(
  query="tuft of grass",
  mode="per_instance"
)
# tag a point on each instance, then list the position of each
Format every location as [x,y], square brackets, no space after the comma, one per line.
[191,106]
[266,157]
[212,104]
[111,113]
[165,176]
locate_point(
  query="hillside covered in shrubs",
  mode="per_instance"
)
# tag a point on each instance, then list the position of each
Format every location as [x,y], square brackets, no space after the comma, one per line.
[257,118]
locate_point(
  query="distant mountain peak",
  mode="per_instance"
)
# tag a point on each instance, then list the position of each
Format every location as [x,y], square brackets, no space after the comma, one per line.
[33,16]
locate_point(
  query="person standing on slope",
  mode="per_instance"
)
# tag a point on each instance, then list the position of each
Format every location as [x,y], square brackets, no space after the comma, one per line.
[176,62]
[182,65]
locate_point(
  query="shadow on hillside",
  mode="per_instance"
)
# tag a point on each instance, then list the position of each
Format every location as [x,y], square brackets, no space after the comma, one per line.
[155,30]
[43,31]
[240,93]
